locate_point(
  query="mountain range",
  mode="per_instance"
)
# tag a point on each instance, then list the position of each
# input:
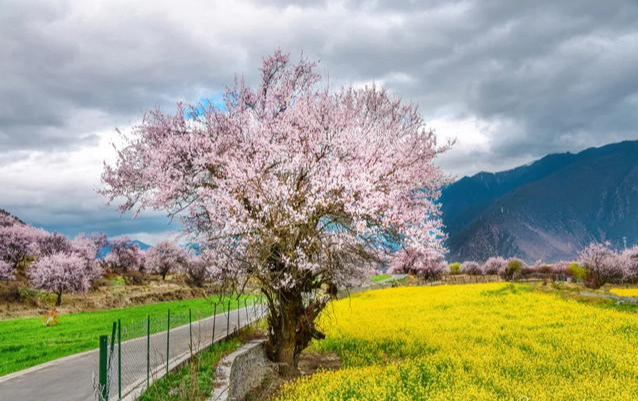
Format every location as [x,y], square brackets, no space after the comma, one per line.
[546,210]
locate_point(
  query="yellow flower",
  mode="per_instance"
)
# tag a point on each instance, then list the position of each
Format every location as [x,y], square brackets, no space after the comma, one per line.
[473,342]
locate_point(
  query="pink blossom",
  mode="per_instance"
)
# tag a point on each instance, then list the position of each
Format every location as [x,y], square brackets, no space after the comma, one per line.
[472,268]
[53,243]
[602,263]
[125,256]
[6,271]
[629,262]
[494,265]
[429,266]
[165,257]
[19,242]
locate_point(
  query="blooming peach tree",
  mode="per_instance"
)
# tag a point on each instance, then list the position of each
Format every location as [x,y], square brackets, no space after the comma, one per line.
[164,258]
[428,265]
[19,244]
[291,184]
[603,265]
[196,269]
[494,265]
[125,256]
[629,261]
[67,271]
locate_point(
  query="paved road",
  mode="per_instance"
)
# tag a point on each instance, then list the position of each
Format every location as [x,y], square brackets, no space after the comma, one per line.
[72,378]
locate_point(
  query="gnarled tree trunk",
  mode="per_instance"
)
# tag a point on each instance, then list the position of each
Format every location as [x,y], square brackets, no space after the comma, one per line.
[291,328]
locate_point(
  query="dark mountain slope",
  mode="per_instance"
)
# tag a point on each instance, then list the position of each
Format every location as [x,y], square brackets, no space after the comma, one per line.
[547,210]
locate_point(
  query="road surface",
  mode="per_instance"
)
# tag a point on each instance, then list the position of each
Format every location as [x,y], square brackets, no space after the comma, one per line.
[71,378]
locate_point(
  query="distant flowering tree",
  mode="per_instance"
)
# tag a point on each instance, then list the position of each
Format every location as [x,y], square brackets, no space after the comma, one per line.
[164,258]
[196,269]
[602,264]
[125,256]
[472,268]
[19,243]
[629,262]
[561,269]
[290,184]
[6,271]
[62,273]
[494,265]
[429,266]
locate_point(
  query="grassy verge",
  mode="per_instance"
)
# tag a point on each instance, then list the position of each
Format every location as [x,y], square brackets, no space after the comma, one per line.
[194,380]
[28,342]
[380,277]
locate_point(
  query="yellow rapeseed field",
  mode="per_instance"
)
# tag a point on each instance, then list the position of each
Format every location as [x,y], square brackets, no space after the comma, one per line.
[473,342]
[625,292]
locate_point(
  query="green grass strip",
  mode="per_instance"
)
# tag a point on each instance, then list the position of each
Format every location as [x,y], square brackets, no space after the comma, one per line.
[380,277]
[194,380]
[28,342]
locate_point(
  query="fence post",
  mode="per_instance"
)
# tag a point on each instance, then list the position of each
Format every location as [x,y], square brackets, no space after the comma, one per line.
[119,359]
[113,338]
[214,320]
[168,339]
[246,310]
[190,329]
[148,350]
[103,372]
[228,319]
[238,314]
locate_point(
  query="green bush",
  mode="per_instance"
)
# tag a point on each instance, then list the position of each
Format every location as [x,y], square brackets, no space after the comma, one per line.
[455,267]
[514,268]
[578,272]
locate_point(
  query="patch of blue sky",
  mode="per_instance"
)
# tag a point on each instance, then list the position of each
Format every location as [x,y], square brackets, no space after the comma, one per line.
[216,101]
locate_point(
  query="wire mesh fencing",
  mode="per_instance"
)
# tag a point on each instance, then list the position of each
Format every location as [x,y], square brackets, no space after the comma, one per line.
[136,353]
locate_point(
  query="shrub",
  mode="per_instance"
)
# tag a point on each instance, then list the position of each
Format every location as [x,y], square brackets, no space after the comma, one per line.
[10,292]
[544,268]
[134,277]
[576,271]
[494,265]
[471,267]
[513,269]
[455,267]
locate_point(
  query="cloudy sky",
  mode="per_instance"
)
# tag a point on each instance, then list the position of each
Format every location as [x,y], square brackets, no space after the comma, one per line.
[510,80]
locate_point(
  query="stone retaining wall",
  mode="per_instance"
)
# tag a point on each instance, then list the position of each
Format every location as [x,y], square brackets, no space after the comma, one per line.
[241,372]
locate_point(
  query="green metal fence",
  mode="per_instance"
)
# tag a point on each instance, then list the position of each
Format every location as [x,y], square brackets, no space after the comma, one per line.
[138,352]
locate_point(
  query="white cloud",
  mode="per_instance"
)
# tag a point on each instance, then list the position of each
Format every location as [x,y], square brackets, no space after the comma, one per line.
[156,237]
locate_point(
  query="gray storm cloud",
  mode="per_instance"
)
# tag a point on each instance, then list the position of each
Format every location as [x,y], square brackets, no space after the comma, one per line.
[543,76]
